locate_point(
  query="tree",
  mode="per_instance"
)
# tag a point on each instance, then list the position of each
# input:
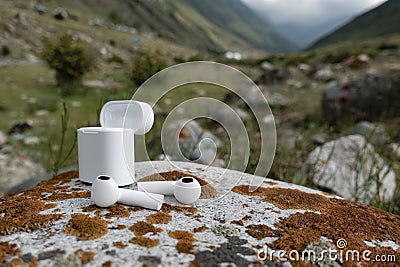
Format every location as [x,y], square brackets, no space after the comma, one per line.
[146,65]
[70,58]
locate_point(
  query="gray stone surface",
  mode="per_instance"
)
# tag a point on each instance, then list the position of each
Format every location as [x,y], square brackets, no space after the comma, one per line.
[231,248]
[374,133]
[349,166]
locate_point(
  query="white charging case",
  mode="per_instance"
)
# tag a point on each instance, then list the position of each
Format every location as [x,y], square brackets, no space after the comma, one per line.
[109,149]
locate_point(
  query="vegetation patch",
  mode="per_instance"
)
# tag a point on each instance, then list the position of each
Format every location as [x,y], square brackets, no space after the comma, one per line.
[159,218]
[141,228]
[85,256]
[85,227]
[185,241]
[144,241]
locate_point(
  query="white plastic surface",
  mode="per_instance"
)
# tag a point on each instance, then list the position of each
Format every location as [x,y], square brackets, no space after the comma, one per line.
[186,190]
[157,187]
[105,193]
[106,151]
[127,114]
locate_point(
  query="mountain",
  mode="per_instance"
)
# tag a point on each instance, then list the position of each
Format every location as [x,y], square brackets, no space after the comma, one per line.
[237,19]
[381,21]
[213,25]
[304,35]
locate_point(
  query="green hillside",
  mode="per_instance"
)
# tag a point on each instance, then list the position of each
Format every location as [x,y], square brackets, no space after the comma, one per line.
[212,25]
[382,21]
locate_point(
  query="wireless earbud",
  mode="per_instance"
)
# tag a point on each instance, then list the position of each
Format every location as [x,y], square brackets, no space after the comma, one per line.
[186,190]
[105,193]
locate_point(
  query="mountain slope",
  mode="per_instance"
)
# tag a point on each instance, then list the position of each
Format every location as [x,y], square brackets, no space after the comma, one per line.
[380,21]
[213,25]
[237,19]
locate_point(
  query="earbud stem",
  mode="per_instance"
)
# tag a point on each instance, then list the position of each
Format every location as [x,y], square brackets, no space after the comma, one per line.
[141,199]
[157,187]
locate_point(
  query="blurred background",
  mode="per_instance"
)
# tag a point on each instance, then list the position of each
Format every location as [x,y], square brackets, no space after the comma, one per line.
[330,70]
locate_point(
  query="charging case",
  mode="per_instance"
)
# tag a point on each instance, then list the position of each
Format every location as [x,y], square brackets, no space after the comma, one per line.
[109,149]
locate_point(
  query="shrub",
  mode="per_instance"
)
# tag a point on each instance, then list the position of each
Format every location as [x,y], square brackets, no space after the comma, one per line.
[146,65]
[5,50]
[70,58]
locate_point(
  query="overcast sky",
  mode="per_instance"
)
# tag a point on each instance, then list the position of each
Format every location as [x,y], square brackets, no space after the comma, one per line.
[307,12]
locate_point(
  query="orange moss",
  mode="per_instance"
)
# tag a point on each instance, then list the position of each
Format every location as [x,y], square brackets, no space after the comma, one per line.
[238,222]
[120,244]
[16,262]
[185,241]
[117,211]
[107,264]
[85,256]
[91,208]
[186,210]
[141,228]
[7,249]
[259,231]
[21,213]
[144,241]
[200,229]
[207,190]
[285,198]
[159,218]
[33,262]
[85,227]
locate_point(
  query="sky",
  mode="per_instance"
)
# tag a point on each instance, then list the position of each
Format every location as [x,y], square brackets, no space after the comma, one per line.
[309,12]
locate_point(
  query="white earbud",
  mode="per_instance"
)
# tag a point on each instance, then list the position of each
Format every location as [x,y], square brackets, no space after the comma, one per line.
[105,193]
[186,190]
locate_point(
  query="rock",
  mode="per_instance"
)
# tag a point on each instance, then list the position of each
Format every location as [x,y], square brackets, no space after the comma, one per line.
[319,139]
[47,228]
[374,133]
[41,112]
[20,127]
[396,149]
[356,62]
[195,143]
[349,167]
[31,140]
[60,13]
[272,74]
[324,75]
[15,169]
[361,97]
[3,139]
[277,100]
[41,9]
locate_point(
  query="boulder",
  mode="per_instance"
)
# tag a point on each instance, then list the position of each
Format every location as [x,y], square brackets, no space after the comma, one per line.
[395,149]
[15,169]
[374,133]
[20,127]
[272,74]
[195,143]
[324,75]
[356,62]
[3,138]
[60,13]
[361,97]
[350,167]
[58,225]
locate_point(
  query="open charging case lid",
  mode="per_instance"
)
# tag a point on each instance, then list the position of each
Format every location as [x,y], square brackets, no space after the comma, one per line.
[127,114]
